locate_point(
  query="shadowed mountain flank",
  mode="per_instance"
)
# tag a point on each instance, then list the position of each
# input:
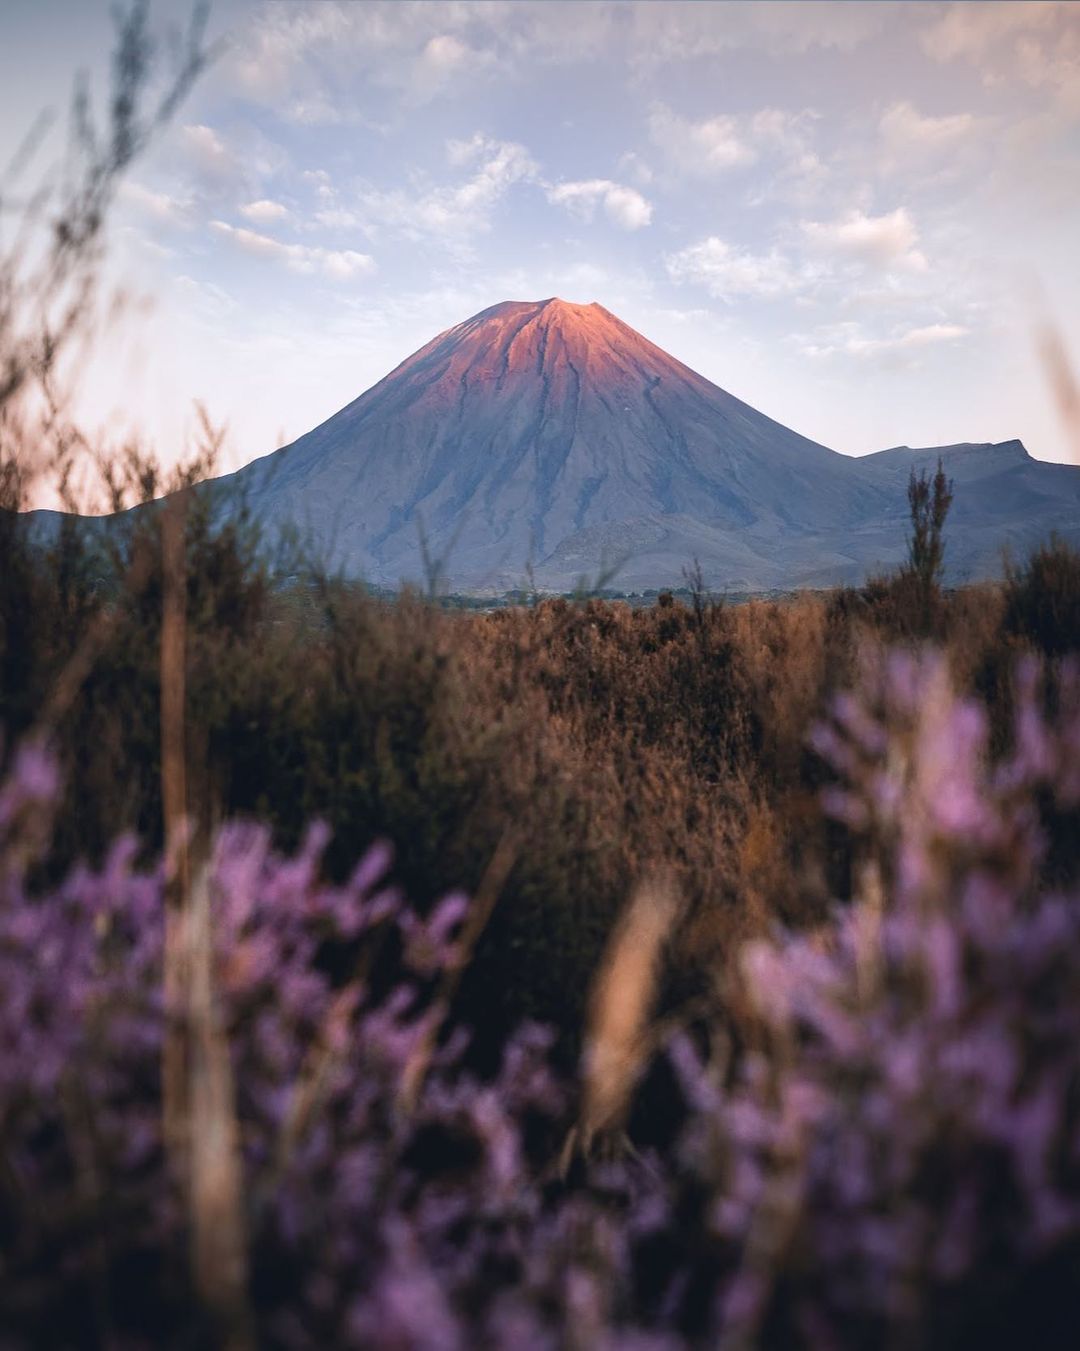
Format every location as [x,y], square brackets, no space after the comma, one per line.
[552,437]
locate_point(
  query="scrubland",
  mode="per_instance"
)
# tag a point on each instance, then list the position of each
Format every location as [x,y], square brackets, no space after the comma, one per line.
[598,743]
[567,975]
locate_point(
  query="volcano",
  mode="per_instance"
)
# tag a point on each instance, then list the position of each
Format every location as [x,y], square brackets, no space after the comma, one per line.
[551,441]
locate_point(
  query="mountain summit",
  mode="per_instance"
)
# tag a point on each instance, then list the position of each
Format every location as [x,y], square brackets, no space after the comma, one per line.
[550,436]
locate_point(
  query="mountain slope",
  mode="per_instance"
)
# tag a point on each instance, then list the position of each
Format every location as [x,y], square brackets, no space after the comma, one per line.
[547,438]
[555,434]
[1004,500]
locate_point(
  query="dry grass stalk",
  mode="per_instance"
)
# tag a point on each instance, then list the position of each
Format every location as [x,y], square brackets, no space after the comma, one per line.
[200,1126]
[174,803]
[1063,382]
[173,763]
[621,1002]
[218,1227]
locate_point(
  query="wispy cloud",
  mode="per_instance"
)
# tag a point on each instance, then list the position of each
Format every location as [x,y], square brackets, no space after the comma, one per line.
[707,147]
[972,30]
[1037,44]
[264,211]
[774,148]
[317,62]
[726,271]
[625,207]
[823,256]
[452,212]
[444,60]
[208,153]
[340,264]
[314,63]
[850,339]
[931,333]
[905,131]
[161,207]
[886,241]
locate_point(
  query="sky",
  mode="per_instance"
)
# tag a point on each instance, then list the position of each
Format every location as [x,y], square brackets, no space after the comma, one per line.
[853,216]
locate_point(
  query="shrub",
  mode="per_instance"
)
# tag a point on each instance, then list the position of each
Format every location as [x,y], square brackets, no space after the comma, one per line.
[929,501]
[908,603]
[1042,599]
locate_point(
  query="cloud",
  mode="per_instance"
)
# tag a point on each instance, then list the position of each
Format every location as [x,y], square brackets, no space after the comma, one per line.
[222,172]
[448,211]
[321,182]
[718,145]
[207,152]
[701,148]
[783,131]
[264,211]
[819,261]
[317,62]
[920,337]
[1037,44]
[627,207]
[489,150]
[624,206]
[787,138]
[160,206]
[445,52]
[905,131]
[848,339]
[445,60]
[497,166]
[972,30]
[881,241]
[726,271]
[313,63]
[686,30]
[340,264]
[632,164]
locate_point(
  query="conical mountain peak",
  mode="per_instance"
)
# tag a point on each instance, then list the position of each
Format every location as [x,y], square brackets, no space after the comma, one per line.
[554,337]
[556,303]
[551,435]
[532,423]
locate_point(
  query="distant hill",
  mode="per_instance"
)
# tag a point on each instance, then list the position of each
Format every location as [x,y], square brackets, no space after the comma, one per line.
[553,437]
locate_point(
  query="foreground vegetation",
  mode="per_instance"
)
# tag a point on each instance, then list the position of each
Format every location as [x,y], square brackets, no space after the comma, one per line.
[586,744]
[761,1026]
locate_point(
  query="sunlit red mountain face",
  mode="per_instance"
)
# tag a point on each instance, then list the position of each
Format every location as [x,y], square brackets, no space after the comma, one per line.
[549,439]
